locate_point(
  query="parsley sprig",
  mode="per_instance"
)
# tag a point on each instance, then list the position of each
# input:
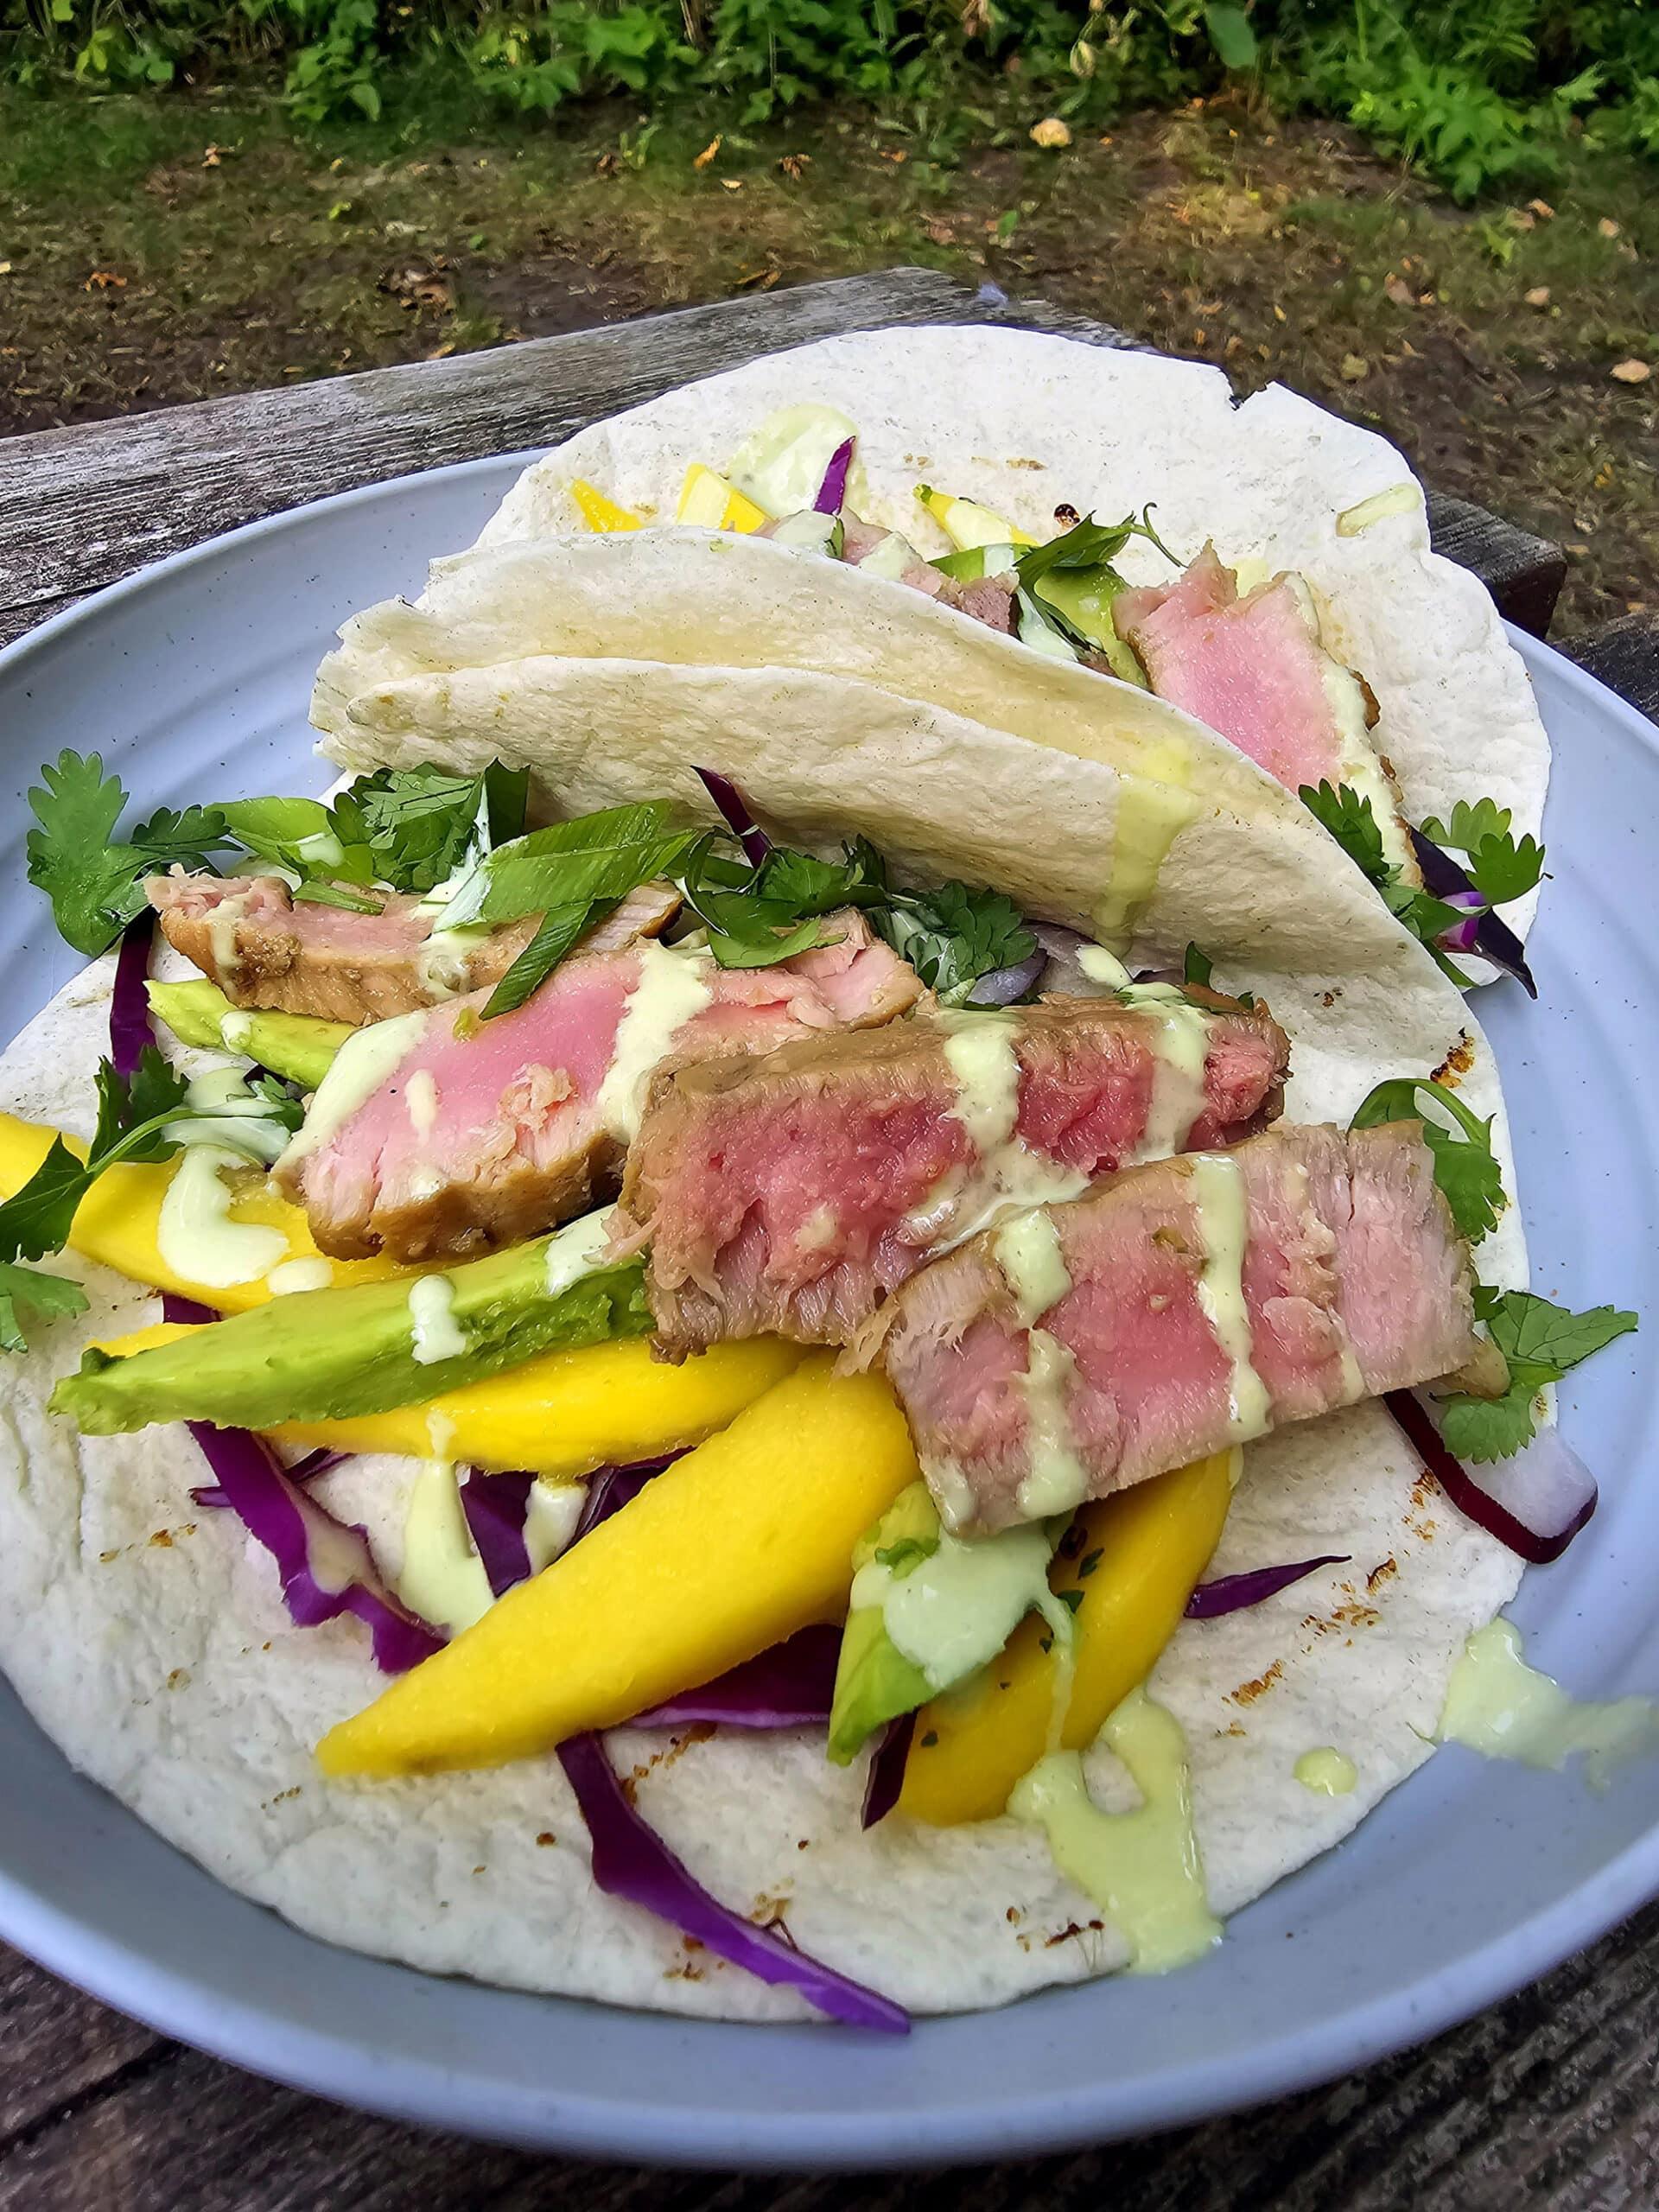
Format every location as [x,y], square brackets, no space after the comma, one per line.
[1541,1343]
[1087,545]
[1465,1167]
[92,875]
[1501,867]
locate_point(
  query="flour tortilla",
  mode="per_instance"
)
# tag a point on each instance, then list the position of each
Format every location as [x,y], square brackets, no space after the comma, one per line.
[1022,423]
[148,1635]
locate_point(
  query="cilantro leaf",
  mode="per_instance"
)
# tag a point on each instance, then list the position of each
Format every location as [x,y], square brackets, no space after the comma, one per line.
[1542,1342]
[1350,821]
[760,915]
[1087,545]
[153,1093]
[1198,967]
[26,1291]
[91,875]
[1501,870]
[1465,1167]
[1470,824]
[422,824]
[953,936]
[36,1219]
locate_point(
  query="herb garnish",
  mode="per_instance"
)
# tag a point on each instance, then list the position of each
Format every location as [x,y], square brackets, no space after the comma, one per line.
[91,874]
[1500,867]
[1465,1167]
[905,1556]
[1542,1342]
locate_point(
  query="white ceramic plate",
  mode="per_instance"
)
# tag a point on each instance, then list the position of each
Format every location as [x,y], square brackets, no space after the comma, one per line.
[1472,1879]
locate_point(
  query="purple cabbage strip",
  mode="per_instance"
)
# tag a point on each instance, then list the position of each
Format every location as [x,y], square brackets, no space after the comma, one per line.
[1492,939]
[494,1507]
[832,492]
[326,1567]
[792,1685]
[129,1025]
[1007,986]
[630,1860]
[175,1307]
[726,796]
[1231,1593]
[612,1488]
[887,1775]
[319,1462]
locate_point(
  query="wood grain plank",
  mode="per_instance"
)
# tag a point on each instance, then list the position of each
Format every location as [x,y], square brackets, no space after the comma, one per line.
[54,2043]
[1625,655]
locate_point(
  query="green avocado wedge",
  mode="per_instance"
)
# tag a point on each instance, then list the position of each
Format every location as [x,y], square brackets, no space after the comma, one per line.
[296,1046]
[324,1355]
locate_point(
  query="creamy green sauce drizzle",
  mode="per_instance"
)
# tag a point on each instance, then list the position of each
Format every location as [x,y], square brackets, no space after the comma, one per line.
[981,1050]
[194,1233]
[551,1512]
[781,463]
[442,1578]
[1326,1772]
[1498,1706]
[672,986]
[1218,1188]
[235,1030]
[222,924]
[1153,809]
[1102,967]
[363,1063]
[295,1275]
[1142,1869]
[435,1334]
[1180,1048]
[1398,499]
[575,1251]
[420,1096]
[1028,1253]
[241,1123]
[953,1612]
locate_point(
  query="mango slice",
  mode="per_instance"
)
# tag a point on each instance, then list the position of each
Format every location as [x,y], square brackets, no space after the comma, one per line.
[734,1547]
[709,499]
[116,1221]
[600,513]
[1137,1562]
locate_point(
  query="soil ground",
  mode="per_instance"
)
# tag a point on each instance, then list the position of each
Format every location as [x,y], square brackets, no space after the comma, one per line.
[166,249]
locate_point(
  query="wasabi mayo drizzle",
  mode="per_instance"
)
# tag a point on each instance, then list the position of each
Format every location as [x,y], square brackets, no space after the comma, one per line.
[363,1063]
[1028,1252]
[781,464]
[1142,1869]
[1218,1189]
[221,931]
[953,1612]
[194,1233]
[1153,807]
[295,1275]
[1399,499]
[1179,1050]
[575,1250]
[435,1332]
[1326,1772]
[672,986]
[1498,1706]
[442,1578]
[980,1049]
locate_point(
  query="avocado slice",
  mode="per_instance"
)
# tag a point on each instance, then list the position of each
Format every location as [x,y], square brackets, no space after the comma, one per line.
[324,1355]
[1084,597]
[874,1681]
[297,1046]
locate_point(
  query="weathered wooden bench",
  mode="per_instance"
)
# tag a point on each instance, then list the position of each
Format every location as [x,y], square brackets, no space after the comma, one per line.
[1551,2093]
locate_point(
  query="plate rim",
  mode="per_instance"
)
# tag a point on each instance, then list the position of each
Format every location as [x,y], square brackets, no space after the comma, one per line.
[343,2070]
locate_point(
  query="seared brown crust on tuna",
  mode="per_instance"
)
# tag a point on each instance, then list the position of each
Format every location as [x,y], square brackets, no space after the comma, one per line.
[790,1195]
[265,950]
[1353,1282]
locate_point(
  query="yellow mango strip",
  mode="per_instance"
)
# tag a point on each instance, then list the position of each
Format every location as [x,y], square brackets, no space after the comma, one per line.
[116,1222]
[566,1413]
[599,511]
[707,499]
[731,1549]
[1143,1552]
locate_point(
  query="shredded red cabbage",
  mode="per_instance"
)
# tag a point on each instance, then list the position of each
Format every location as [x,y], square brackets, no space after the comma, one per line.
[1231,1593]
[1007,986]
[612,1488]
[316,1462]
[632,1861]
[887,1775]
[495,1507]
[1535,1501]
[792,1685]
[1487,936]
[832,492]
[327,1567]
[726,796]
[130,1026]
[175,1307]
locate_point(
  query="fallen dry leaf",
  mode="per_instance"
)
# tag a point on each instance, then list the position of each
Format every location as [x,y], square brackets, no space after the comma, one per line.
[1538,296]
[1278,314]
[701,160]
[212,155]
[1543,210]
[102,279]
[609,165]
[794,165]
[940,233]
[1355,367]
[1399,291]
[1050,131]
[1630,372]
[1608,227]
[894,154]
[5,269]
[733,183]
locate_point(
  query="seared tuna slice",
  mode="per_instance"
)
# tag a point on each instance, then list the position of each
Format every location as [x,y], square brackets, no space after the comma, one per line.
[790,1195]
[1078,1348]
[450,1133]
[249,937]
[1252,666]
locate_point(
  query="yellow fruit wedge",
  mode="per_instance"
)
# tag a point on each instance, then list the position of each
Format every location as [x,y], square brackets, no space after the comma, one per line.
[966,524]
[710,500]
[116,1222]
[599,512]
[734,1547]
[1138,1559]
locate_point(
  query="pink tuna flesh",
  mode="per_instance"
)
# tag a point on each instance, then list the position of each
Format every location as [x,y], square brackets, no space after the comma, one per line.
[488,1132]
[1353,1279]
[791,1194]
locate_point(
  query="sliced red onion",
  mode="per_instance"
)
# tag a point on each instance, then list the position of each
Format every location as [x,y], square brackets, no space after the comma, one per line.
[726,796]
[832,491]
[129,1025]
[887,1775]
[792,1685]
[327,1567]
[494,1507]
[1535,1501]
[631,1860]
[1007,986]
[1493,940]
[1464,937]
[1231,1593]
